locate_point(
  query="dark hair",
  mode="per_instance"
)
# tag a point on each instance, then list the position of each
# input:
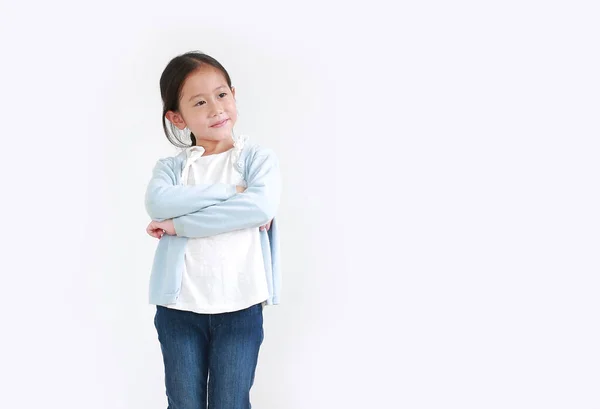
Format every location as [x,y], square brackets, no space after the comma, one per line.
[171,83]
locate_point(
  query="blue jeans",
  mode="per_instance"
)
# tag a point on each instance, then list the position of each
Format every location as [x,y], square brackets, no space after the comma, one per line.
[209,358]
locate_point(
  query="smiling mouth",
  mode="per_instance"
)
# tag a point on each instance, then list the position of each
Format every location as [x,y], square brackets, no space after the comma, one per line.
[219,124]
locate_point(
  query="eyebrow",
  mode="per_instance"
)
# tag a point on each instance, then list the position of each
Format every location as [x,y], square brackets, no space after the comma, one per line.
[199,95]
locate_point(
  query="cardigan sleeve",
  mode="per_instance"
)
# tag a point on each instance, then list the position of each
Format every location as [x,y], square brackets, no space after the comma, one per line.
[252,208]
[166,200]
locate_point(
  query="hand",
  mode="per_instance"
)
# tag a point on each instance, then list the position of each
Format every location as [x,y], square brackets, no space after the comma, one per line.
[240,189]
[266,227]
[158,229]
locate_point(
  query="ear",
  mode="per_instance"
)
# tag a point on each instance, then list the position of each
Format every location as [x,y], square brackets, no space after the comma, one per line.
[176,119]
[233,92]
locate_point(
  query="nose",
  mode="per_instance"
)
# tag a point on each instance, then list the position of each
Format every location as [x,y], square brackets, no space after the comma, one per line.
[217,109]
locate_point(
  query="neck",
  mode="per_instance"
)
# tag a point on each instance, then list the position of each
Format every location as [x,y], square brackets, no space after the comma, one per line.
[215,147]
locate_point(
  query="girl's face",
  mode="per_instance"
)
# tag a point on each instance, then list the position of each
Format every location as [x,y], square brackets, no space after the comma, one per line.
[206,106]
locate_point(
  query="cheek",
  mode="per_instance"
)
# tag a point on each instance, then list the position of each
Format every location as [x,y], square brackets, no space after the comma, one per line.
[197,121]
[232,110]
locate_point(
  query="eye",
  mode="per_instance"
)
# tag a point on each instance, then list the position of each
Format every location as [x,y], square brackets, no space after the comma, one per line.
[222,94]
[200,103]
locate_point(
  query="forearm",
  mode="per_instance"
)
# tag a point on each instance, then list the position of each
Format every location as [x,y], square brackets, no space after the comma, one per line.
[246,210]
[167,202]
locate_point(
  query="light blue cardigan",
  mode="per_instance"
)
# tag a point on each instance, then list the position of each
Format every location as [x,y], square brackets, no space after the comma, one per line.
[209,209]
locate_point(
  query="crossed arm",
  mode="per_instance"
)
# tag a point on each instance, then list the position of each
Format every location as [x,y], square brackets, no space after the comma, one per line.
[209,209]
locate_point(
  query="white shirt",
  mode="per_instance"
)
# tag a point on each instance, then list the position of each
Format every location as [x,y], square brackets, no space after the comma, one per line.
[225,272]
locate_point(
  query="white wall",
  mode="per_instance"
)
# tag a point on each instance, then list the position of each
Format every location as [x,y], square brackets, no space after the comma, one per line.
[439,220]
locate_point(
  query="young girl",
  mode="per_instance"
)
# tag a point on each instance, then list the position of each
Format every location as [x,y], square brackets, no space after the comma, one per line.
[217,261]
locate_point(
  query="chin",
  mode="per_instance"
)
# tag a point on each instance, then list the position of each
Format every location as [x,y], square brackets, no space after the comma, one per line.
[223,133]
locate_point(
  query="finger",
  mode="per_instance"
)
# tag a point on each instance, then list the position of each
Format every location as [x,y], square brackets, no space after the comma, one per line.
[154,232]
[150,229]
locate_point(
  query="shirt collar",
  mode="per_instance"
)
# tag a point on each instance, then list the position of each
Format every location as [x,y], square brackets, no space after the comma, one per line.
[194,152]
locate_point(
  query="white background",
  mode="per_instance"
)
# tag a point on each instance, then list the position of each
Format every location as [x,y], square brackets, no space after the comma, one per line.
[439,220]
